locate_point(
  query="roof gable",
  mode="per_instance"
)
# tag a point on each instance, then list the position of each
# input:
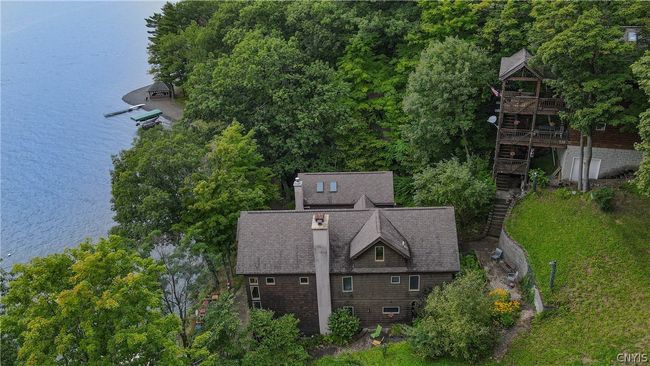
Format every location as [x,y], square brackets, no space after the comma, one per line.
[378,228]
[516,62]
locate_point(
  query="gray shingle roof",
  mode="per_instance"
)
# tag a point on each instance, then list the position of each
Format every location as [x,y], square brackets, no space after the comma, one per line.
[511,64]
[280,242]
[377,228]
[363,202]
[158,86]
[377,186]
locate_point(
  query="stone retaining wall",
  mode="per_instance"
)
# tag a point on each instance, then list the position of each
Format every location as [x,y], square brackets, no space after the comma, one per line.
[515,256]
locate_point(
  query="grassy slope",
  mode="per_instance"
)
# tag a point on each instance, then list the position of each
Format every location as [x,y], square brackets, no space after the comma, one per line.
[398,354]
[602,286]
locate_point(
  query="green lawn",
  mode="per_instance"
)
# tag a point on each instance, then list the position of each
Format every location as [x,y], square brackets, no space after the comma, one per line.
[602,288]
[398,354]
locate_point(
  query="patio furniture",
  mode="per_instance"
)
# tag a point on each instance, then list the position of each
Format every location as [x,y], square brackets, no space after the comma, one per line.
[497,254]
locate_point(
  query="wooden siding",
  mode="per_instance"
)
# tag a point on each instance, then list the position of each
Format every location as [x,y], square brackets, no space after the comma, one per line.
[612,138]
[288,296]
[391,258]
[371,292]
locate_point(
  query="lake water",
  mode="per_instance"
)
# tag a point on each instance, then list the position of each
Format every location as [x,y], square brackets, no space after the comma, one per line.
[63,66]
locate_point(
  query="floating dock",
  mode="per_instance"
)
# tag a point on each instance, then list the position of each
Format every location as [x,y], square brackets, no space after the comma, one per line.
[147,116]
[124,111]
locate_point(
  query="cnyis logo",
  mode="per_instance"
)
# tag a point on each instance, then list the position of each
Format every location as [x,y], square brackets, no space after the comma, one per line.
[632,358]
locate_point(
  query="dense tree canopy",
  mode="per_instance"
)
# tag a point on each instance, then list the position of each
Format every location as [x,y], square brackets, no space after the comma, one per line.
[95,304]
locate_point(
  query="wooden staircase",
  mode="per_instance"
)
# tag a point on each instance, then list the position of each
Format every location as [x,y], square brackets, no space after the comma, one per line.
[497,216]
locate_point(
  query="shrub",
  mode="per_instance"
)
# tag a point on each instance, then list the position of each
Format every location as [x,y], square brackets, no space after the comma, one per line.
[604,198]
[563,193]
[542,179]
[469,262]
[457,321]
[273,341]
[343,326]
[456,184]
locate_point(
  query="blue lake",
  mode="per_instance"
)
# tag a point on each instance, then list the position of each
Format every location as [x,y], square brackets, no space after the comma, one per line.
[63,66]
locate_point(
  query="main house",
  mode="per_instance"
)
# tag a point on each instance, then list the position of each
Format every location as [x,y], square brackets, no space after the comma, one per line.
[345,245]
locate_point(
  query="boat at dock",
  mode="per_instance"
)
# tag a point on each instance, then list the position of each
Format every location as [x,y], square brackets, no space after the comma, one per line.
[147,116]
[133,108]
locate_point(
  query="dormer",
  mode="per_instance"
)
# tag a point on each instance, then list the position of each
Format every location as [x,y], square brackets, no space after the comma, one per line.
[379,244]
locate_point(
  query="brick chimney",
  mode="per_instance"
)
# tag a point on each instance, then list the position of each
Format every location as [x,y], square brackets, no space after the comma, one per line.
[321,238]
[299,197]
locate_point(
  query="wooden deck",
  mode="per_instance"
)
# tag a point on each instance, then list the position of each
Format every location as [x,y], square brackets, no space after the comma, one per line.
[526,105]
[542,138]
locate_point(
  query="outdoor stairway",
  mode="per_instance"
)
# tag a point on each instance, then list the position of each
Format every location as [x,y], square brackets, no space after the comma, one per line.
[503,182]
[498,214]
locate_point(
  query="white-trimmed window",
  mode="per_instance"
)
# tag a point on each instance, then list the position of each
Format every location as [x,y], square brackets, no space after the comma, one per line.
[304,280]
[414,283]
[257,304]
[270,281]
[252,281]
[395,280]
[320,187]
[390,310]
[255,293]
[601,127]
[379,253]
[347,285]
[333,186]
[350,309]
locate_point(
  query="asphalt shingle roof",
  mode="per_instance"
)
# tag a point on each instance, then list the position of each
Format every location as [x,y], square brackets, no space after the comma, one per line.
[377,186]
[514,63]
[280,242]
[377,228]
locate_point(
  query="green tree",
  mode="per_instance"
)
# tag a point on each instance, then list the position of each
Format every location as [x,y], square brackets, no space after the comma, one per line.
[220,339]
[148,186]
[443,96]
[273,341]
[641,70]
[268,85]
[456,321]
[95,304]
[462,185]
[582,45]
[232,181]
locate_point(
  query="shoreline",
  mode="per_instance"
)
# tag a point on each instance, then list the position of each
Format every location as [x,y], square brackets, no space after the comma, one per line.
[171,110]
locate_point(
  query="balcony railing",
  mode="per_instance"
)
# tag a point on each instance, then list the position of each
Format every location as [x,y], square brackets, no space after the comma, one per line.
[524,104]
[540,137]
[511,166]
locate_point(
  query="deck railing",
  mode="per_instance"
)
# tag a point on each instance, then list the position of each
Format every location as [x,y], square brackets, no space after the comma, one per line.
[540,136]
[511,166]
[525,104]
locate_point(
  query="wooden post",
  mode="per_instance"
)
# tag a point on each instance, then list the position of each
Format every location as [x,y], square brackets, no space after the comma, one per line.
[532,129]
[498,139]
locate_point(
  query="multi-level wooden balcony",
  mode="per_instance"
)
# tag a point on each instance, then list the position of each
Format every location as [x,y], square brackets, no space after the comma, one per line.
[540,137]
[522,103]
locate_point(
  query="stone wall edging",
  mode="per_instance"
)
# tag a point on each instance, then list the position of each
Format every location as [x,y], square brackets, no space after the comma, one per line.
[516,256]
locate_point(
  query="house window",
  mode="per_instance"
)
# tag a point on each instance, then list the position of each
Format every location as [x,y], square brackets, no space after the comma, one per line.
[252,280]
[394,280]
[304,280]
[257,304]
[390,310]
[255,292]
[270,280]
[379,253]
[414,283]
[350,309]
[601,126]
[320,187]
[347,284]
[333,187]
